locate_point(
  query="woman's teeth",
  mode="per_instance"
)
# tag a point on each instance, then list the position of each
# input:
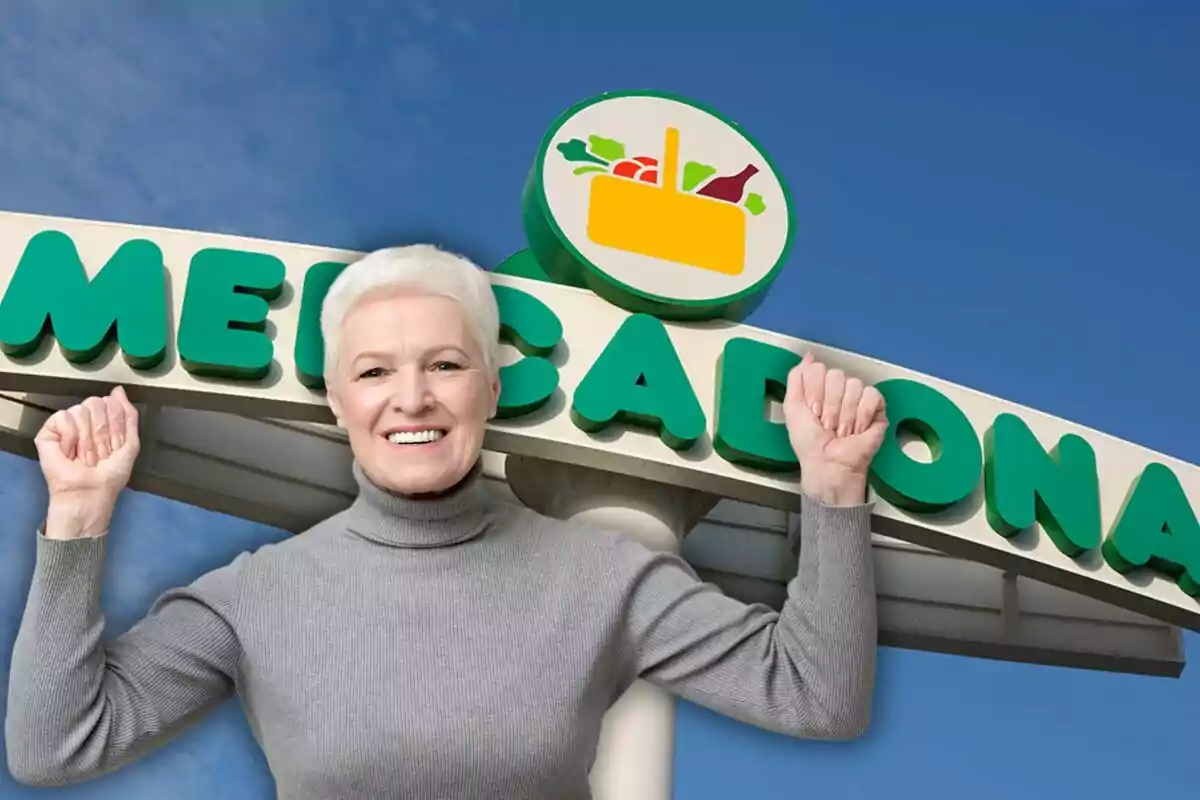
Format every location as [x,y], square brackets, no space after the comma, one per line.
[415,437]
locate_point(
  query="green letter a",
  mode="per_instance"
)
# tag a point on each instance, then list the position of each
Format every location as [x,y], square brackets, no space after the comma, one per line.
[50,293]
[1157,528]
[638,380]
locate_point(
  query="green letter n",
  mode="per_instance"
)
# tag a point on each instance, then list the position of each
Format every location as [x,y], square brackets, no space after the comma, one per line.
[50,293]
[1059,489]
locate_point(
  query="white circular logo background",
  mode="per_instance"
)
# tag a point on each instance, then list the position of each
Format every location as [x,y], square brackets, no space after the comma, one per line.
[712,147]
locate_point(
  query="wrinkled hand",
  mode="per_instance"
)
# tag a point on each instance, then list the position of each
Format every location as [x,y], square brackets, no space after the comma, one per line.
[835,425]
[87,454]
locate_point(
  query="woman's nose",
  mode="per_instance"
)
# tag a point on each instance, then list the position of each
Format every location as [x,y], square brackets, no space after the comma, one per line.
[411,392]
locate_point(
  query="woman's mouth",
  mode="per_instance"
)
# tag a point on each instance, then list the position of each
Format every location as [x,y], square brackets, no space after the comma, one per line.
[415,437]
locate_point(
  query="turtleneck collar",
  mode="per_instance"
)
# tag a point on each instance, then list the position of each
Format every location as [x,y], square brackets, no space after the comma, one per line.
[393,519]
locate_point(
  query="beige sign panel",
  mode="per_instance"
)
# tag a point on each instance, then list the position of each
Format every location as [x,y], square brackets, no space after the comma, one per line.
[293,474]
[589,325]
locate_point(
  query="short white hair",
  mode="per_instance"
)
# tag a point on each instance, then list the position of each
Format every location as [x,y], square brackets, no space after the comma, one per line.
[422,268]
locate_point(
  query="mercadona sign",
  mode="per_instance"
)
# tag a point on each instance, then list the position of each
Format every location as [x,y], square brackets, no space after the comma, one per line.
[654,226]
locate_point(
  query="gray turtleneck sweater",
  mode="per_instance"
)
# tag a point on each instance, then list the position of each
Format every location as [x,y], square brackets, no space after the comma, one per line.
[463,647]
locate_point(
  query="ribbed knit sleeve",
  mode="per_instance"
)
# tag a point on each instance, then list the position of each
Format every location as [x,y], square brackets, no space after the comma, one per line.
[77,707]
[806,671]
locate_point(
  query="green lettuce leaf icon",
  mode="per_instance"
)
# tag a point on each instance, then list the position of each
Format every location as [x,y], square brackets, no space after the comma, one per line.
[608,149]
[754,203]
[695,173]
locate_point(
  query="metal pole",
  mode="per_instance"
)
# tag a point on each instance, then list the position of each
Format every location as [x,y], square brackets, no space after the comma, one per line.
[637,743]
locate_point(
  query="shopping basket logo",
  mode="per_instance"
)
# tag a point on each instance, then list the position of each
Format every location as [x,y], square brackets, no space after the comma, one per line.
[641,208]
[659,205]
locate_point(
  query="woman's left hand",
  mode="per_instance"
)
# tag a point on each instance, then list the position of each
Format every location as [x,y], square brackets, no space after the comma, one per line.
[835,425]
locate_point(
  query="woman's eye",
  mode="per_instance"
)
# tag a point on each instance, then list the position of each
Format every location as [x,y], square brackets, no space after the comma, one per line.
[445,366]
[373,372]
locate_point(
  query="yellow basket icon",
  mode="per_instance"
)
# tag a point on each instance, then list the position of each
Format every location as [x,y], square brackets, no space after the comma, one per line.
[662,222]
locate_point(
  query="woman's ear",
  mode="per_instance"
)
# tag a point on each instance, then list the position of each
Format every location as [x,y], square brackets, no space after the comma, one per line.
[335,405]
[495,399]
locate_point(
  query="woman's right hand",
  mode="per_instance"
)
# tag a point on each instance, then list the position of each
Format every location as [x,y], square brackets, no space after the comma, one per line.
[87,453]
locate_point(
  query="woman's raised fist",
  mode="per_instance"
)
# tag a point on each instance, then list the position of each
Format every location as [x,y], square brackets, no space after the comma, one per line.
[87,453]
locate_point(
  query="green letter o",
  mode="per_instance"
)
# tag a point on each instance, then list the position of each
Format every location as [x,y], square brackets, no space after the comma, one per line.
[957,455]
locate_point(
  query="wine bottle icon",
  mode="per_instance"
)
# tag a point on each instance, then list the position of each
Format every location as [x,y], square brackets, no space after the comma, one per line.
[731,188]
[705,230]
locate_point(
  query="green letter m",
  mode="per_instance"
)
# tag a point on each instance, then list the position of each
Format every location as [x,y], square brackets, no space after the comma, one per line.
[50,292]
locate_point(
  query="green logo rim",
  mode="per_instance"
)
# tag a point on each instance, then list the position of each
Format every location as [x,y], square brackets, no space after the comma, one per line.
[565,264]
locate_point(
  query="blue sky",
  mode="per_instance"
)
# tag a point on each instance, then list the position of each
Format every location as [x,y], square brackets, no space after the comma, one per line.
[1005,197]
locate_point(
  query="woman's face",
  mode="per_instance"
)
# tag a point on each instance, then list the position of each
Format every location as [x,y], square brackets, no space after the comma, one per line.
[412,391]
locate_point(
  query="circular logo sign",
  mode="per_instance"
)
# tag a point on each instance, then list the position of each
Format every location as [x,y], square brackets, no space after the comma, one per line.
[659,205]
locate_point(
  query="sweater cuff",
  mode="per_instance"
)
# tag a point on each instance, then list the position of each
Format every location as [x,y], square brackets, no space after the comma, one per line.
[842,531]
[69,559]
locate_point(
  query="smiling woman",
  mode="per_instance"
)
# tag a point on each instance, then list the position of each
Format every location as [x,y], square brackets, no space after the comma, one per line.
[410,366]
[432,640]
